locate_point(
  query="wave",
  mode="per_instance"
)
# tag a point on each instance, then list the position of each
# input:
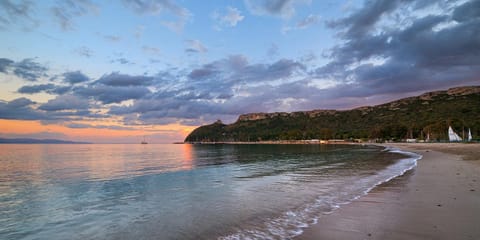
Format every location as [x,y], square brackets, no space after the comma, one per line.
[291,223]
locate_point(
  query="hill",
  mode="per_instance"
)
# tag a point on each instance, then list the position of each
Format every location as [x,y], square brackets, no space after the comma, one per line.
[37,141]
[414,117]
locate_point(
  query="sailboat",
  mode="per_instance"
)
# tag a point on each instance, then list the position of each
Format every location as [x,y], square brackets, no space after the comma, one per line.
[469,135]
[144,142]
[452,136]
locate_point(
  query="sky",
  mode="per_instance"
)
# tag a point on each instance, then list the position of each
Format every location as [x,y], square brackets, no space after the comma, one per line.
[114,71]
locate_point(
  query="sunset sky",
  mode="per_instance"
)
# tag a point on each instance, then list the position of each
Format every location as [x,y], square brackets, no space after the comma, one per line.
[114,71]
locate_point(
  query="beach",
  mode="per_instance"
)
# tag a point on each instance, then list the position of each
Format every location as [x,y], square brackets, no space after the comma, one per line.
[439,199]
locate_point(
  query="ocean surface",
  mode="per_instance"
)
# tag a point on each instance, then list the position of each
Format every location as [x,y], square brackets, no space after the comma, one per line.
[169,191]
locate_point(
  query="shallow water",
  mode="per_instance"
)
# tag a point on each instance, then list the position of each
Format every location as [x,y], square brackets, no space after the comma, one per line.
[181,191]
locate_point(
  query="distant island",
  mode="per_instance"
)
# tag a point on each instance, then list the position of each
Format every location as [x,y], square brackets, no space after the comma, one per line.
[37,141]
[425,117]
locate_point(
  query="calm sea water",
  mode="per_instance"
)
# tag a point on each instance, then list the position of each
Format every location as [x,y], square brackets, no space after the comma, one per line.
[182,191]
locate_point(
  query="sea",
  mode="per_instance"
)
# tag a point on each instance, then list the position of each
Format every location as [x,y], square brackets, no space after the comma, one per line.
[183,191]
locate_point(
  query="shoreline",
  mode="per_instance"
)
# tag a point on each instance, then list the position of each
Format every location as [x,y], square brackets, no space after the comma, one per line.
[280,142]
[333,142]
[439,199]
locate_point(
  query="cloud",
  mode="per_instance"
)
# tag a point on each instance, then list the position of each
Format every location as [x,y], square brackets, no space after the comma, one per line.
[151,50]
[17,13]
[139,31]
[361,22]
[204,72]
[281,8]
[116,79]
[5,64]
[373,60]
[122,61]
[467,12]
[84,51]
[195,46]
[175,26]
[82,125]
[20,103]
[220,69]
[27,69]
[212,90]
[115,88]
[78,125]
[64,12]
[272,50]
[112,38]
[62,108]
[110,94]
[154,60]
[156,7]
[222,76]
[65,102]
[20,108]
[309,57]
[48,88]
[35,88]
[171,109]
[308,21]
[75,77]
[59,90]
[230,18]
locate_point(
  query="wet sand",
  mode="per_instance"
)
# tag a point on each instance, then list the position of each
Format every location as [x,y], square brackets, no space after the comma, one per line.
[439,199]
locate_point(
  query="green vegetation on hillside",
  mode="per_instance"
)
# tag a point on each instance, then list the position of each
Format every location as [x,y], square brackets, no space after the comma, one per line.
[415,117]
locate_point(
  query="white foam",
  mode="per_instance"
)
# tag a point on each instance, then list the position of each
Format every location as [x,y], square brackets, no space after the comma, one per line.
[399,168]
[291,223]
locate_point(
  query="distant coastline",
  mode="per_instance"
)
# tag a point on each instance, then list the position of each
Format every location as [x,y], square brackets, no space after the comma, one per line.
[37,141]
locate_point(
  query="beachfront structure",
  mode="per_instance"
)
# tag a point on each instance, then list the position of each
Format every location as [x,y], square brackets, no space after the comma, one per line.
[452,136]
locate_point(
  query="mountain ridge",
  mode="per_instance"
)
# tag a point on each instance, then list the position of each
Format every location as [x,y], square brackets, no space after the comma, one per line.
[425,96]
[413,117]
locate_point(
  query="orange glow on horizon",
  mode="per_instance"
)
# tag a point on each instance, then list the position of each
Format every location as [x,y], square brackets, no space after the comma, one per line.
[24,128]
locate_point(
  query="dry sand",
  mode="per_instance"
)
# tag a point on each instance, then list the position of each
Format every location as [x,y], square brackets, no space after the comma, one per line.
[439,199]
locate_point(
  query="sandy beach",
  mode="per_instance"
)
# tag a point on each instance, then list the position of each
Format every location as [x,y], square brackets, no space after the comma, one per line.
[439,199]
